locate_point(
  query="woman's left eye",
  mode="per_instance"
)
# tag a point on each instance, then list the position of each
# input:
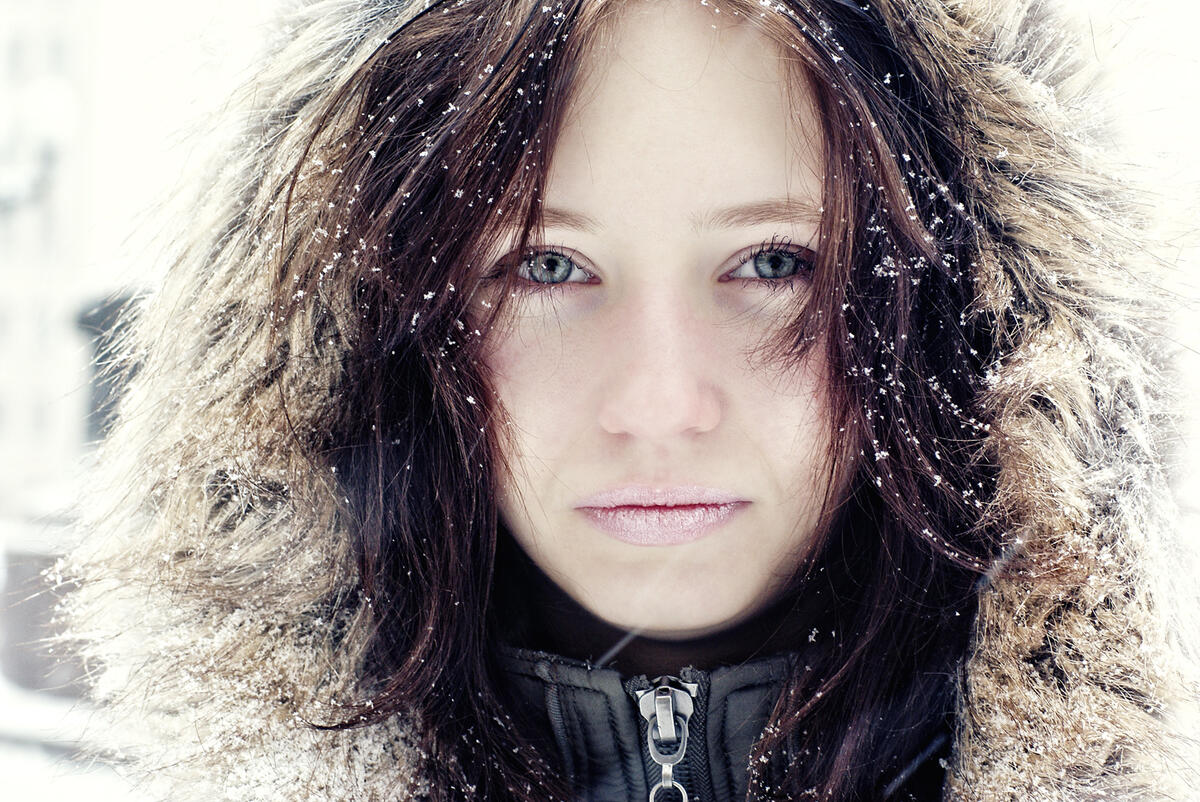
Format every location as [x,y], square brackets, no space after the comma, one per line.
[773,262]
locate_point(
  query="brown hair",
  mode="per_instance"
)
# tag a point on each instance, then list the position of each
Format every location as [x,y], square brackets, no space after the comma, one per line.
[382,193]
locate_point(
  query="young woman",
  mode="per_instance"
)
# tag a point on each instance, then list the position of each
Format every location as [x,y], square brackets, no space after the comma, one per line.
[665,399]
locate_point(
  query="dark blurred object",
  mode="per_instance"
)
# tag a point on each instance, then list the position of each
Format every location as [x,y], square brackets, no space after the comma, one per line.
[102,324]
[27,657]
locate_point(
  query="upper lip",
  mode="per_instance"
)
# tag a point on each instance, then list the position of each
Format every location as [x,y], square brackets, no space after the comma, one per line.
[652,496]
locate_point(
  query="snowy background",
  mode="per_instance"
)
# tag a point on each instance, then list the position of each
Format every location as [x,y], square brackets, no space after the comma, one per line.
[100,102]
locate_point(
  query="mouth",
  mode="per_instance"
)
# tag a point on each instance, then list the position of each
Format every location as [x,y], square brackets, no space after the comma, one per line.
[647,516]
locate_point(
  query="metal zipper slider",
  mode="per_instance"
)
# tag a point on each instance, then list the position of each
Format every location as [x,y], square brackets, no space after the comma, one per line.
[667,707]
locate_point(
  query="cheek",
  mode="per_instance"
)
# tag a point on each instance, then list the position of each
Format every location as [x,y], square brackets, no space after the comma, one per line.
[795,430]
[532,381]
[540,394]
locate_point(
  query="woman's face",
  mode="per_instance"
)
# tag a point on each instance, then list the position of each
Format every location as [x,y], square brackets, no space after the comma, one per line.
[660,477]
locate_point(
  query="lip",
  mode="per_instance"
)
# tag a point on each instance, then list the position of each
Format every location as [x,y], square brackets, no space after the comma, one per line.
[660,516]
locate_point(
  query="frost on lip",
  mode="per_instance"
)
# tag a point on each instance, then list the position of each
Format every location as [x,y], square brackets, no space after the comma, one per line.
[661,525]
[647,496]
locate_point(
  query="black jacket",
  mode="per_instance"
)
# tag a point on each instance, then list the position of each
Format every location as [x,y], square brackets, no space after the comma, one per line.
[593,720]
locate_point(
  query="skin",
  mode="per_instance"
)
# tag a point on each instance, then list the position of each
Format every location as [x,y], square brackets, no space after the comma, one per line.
[636,370]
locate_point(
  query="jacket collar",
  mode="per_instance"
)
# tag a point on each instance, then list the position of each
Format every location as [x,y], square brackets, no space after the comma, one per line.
[589,716]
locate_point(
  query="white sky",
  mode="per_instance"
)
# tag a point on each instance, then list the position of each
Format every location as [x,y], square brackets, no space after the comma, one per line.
[161,69]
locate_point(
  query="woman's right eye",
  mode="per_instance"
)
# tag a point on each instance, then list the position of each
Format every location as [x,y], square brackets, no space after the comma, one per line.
[552,267]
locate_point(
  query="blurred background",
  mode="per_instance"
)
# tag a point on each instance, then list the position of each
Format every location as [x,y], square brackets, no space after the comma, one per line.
[106,106]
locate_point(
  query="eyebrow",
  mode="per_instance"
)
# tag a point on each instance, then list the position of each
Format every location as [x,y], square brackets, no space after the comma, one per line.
[778,210]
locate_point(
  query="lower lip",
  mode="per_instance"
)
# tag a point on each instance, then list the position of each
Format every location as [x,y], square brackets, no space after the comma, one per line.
[662,526]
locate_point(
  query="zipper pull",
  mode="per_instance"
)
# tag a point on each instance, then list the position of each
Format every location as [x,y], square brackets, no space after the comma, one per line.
[667,707]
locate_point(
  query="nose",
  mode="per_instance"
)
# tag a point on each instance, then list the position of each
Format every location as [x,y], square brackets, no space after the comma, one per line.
[661,373]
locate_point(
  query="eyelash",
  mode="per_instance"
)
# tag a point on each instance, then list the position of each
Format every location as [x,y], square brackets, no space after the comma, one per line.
[549,288]
[776,244]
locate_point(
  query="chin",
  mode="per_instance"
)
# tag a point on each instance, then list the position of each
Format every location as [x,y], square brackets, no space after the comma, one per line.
[685,634]
[684,620]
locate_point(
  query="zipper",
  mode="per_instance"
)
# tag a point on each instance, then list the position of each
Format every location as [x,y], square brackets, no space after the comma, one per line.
[667,708]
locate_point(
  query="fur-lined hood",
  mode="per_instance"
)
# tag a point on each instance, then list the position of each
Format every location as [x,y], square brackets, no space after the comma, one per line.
[218,604]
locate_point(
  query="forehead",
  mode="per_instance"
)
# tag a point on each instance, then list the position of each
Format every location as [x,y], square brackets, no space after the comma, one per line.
[691,30]
[701,108]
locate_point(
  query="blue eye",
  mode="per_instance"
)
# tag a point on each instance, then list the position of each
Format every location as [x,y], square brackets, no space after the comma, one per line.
[775,264]
[773,261]
[551,267]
